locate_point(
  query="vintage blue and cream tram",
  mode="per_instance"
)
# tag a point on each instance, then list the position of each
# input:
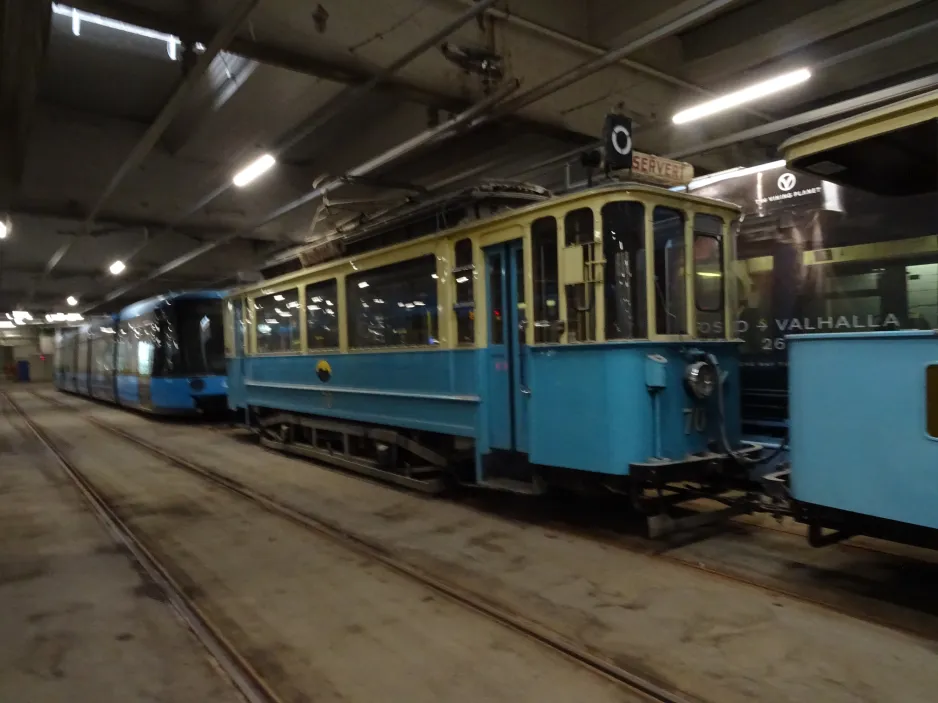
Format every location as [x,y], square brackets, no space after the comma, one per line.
[161,355]
[864,406]
[583,340]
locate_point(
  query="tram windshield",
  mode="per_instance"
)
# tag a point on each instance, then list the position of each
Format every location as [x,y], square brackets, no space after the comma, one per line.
[687,285]
[195,338]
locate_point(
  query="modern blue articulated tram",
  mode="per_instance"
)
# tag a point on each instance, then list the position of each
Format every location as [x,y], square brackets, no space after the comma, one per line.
[583,341]
[162,355]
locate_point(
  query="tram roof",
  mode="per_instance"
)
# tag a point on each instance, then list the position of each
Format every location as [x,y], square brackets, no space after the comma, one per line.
[624,187]
[144,306]
[892,150]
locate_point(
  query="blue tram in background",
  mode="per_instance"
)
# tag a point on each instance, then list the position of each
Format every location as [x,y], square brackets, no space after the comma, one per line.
[583,341]
[864,406]
[162,355]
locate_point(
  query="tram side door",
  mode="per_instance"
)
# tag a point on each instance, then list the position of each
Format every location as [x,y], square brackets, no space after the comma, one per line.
[507,359]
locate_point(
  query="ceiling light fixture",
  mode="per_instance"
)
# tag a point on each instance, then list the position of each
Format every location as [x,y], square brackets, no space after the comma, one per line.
[64,317]
[254,170]
[4,229]
[72,300]
[80,16]
[745,95]
[6,325]
[117,268]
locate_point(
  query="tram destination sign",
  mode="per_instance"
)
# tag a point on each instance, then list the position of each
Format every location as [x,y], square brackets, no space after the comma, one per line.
[660,171]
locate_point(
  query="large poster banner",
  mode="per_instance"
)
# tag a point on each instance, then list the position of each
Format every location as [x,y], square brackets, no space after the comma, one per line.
[818,258]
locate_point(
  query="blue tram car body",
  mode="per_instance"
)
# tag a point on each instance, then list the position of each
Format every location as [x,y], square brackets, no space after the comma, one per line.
[161,355]
[864,406]
[513,354]
[864,433]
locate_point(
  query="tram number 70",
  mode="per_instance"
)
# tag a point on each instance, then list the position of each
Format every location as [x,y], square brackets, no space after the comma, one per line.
[695,419]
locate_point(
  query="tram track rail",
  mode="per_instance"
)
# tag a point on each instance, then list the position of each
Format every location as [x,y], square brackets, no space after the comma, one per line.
[631,681]
[252,687]
[909,622]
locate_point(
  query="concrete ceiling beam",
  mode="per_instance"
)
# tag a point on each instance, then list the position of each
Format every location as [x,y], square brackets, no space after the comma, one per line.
[24,38]
[762,31]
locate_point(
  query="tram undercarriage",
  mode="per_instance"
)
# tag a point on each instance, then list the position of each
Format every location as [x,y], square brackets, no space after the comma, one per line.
[430,463]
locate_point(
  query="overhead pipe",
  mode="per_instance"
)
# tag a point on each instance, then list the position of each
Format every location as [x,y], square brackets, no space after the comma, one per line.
[364,169]
[588,68]
[822,113]
[574,43]
[348,98]
[175,103]
[842,57]
[168,113]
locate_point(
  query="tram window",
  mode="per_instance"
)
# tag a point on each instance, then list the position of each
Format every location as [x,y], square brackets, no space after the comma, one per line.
[322,315]
[624,251]
[126,349]
[546,310]
[670,271]
[278,322]
[581,323]
[82,365]
[578,227]
[931,400]
[394,305]
[463,273]
[708,275]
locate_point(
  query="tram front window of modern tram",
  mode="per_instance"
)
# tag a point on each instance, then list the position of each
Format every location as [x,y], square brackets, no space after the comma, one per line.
[199,338]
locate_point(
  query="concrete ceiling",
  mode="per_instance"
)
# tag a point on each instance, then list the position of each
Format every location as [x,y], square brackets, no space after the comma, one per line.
[120,146]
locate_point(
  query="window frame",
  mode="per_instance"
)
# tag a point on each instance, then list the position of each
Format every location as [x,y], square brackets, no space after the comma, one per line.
[383,263]
[640,317]
[255,339]
[311,287]
[538,286]
[592,287]
[458,305]
[931,401]
[687,214]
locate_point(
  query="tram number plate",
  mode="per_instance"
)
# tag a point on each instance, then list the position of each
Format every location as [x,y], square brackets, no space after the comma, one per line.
[695,419]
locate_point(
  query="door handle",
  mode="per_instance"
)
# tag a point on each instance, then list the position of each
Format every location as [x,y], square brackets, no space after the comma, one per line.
[522,363]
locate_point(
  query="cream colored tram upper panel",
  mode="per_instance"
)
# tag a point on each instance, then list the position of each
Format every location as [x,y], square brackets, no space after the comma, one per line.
[892,150]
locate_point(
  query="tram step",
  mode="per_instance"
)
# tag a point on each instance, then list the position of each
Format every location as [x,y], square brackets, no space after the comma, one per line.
[513,486]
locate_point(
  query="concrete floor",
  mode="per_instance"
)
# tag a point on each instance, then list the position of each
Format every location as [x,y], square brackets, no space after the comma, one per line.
[77,623]
[719,640]
[318,621]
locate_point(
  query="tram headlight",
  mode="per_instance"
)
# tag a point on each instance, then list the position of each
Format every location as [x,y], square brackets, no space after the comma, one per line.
[701,379]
